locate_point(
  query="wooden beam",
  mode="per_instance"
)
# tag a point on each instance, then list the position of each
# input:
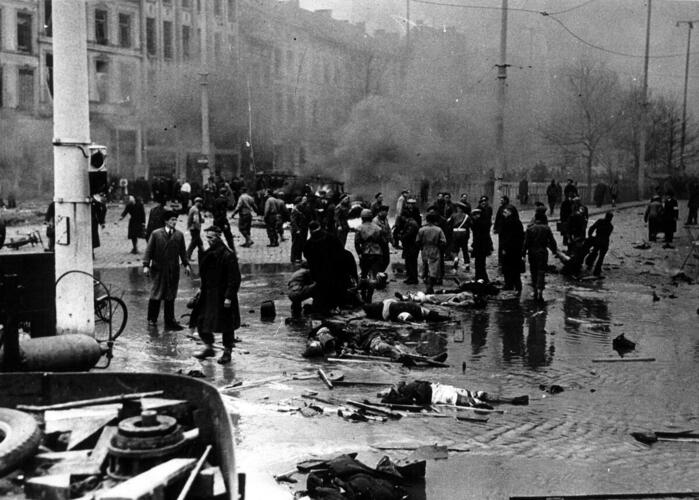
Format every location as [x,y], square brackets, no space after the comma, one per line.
[151,482]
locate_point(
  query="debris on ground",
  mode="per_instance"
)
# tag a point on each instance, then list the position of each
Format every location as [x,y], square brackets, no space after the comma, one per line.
[551,389]
[622,345]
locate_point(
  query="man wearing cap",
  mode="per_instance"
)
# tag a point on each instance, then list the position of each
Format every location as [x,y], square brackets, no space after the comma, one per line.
[378,203]
[537,239]
[367,242]
[486,210]
[218,296]
[299,220]
[194,222]
[460,225]
[160,262]
[325,256]
[381,220]
[273,217]
[245,207]
[406,229]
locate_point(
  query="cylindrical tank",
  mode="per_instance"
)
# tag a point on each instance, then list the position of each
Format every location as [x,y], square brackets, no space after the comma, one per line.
[61,353]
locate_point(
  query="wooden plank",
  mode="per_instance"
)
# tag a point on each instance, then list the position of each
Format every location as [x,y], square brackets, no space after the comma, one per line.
[357,361]
[360,382]
[52,487]
[193,474]
[374,409]
[101,449]
[84,430]
[324,377]
[90,402]
[151,482]
[622,360]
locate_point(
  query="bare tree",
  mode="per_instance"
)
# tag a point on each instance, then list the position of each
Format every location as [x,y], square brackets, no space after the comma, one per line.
[588,110]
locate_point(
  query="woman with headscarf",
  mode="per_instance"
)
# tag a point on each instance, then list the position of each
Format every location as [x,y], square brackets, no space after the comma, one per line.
[511,242]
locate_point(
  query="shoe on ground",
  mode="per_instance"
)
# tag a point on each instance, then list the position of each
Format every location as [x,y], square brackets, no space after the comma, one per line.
[174,327]
[134,251]
[225,357]
[206,352]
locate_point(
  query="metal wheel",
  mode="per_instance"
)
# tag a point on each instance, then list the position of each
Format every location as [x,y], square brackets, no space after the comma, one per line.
[110,313]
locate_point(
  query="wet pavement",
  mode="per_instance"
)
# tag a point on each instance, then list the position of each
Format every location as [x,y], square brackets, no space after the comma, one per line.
[569,443]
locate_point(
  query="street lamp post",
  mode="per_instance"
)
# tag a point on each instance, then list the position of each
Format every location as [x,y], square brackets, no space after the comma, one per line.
[690,26]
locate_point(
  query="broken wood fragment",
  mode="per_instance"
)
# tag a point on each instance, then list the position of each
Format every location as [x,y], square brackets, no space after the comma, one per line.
[622,360]
[152,482]
[89,402]
[323,376]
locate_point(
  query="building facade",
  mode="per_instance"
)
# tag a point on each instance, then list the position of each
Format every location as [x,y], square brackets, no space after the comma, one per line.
[279,76]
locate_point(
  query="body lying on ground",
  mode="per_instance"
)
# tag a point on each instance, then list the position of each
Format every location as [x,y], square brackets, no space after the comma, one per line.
[422,392]
[329,341]
[396,310]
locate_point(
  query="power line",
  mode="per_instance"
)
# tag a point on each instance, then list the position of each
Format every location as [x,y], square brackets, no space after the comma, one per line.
[550,15]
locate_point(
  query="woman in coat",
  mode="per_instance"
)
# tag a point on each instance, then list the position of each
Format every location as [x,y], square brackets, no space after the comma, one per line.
[511,242]
[218,300]
[137,221]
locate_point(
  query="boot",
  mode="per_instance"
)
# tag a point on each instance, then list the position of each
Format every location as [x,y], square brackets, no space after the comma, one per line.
[206,352]
[225,357]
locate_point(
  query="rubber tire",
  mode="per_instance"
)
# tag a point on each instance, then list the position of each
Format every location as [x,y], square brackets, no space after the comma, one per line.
[22,438]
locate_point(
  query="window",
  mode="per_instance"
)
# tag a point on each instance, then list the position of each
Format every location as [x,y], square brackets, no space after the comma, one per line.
[101,27]
[101,79]
[48,60]
[126,78]
[47,18]
[124,30]
[217,8]
[277,63]
[151,46]
[24,32]
[186,43]
[231,10]
[25,100]
[167,39]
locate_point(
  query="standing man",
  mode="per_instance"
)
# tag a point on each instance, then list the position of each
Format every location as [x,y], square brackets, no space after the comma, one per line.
[511,240]
[165,248]
[156,217]
[378,203]
[460,224]
[401,201]
[654,217]
[523,192]
[245,207]
[537,239]
[185,195]
[464,200]
[272,217]
[671,212]
[552,195]
[194,221]
[137,221]
[486,211]
[570,190]
[218,300]
[98,210]
[482,244]
[614,192]
[599,234]
[407,227]
[299,229]
[432,242]
[220,213]
[693,204]
[342,212]
[367,243]
[381,220]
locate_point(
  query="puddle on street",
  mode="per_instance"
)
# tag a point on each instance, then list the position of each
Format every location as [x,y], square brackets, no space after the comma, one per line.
[510,348]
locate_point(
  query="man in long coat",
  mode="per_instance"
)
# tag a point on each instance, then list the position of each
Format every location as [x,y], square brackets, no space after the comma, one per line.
[325,256]
[165,248]
[217,309]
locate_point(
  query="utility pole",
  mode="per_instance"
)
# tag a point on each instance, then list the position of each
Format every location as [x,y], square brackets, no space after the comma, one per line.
[71,130]
[690,26]
[407,24]
[205,160]
[641,172]
[500,117]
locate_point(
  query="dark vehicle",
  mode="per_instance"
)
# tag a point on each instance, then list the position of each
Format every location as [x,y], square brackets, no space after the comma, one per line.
[153,430]
[294,186]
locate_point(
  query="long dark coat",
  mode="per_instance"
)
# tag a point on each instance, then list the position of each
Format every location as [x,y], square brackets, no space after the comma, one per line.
[220,280]
[156,220]
[98,212]
[163,256]
[137,220]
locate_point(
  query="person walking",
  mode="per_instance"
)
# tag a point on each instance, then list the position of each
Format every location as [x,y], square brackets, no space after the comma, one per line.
[599,234]
[653,216]
[137,221]
[156,217]
[245,207]
[160,262]
[538,239]
[692,204]
[482,243]
[367,243]
[460,224]
[552,195]
[218,309]
[272,217]
[98,210]
[194,221]
[499,219]
[511,241]
[614,192]
[299,229]
[671,212]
